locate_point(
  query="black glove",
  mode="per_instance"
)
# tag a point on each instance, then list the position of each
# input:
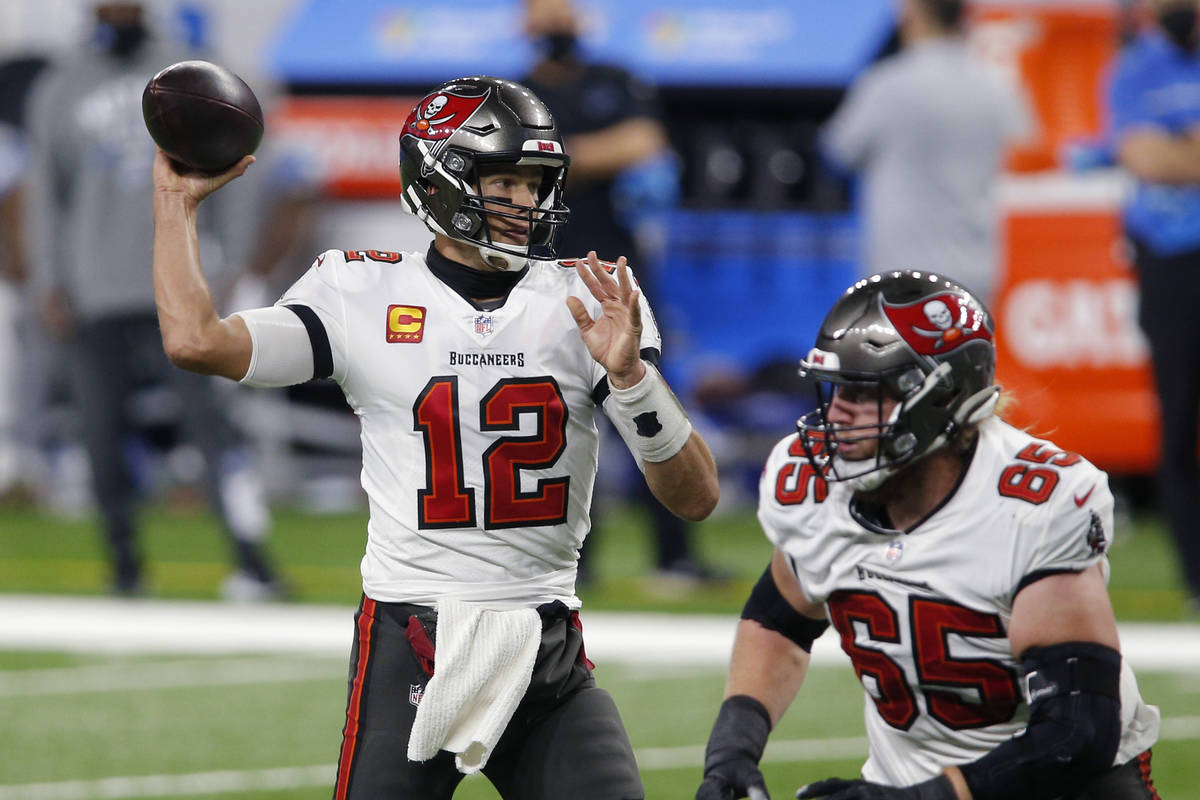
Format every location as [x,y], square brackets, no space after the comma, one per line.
[939,788]
[734,749]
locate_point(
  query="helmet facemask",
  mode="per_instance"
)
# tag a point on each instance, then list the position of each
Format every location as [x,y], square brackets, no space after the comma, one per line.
[927,414]
[895,443]
[450,201]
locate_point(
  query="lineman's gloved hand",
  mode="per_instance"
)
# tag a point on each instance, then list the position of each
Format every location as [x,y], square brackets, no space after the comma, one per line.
[734,749]
[938,788]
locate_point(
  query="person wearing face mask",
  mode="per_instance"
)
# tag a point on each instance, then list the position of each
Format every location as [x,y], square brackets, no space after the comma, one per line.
[1154,101]
[91,232]
[611,122]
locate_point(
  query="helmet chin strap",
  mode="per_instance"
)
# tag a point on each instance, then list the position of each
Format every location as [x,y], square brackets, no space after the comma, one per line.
[507,262]
[866,481]
[501,260]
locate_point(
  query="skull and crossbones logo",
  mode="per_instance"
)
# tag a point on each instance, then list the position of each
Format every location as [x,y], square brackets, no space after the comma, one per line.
[434,106]
[428,116]
[942,318]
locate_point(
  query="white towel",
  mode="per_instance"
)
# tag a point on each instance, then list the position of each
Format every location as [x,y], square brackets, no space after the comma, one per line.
[482,668]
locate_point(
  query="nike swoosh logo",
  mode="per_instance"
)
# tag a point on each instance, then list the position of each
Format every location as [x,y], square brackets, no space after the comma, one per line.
[320,259]
[1079,501]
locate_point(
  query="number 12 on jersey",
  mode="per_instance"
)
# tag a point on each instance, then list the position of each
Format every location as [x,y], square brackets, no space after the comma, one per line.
[447,501]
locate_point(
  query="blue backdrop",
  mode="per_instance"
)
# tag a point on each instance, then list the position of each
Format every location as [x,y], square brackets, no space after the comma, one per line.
[747,288]
[671,42]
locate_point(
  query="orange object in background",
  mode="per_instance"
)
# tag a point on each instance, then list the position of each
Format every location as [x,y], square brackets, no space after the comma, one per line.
[356,139]
[1069,347]
[1059,52]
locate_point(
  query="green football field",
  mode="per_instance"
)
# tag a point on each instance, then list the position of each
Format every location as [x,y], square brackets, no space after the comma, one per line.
[89,727]
[76,726]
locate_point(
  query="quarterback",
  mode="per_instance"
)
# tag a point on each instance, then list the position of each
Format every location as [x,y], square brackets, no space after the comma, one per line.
[961,562]
[474,370]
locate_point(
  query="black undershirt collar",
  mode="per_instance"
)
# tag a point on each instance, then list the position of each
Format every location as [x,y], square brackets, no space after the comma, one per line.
[471,283]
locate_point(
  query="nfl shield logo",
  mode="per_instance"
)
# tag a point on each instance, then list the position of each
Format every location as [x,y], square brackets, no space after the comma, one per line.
[415,692]
[894,551]
[483,325]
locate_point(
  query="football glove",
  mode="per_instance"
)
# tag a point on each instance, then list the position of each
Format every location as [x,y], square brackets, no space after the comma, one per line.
[939,788]
[734,749]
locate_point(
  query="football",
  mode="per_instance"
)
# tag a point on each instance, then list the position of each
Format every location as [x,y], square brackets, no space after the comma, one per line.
[203,116]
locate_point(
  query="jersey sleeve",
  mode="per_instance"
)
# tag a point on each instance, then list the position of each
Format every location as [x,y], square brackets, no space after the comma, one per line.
[1072,530]
[787,481]
[790,494]
[317,300]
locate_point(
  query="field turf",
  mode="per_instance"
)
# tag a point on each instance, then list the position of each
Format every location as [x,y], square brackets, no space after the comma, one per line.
[83,726]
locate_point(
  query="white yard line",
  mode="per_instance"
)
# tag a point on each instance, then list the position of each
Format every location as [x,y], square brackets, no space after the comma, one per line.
[149,675]
[225,782]
[175,785]
[105,625]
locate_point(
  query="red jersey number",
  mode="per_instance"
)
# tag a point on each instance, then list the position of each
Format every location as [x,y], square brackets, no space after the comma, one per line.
[959,692]
[795,480]
[446,501]
[1034,484]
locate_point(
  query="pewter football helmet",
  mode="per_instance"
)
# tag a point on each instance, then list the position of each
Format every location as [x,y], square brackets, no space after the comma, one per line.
[468,122]
[919,338]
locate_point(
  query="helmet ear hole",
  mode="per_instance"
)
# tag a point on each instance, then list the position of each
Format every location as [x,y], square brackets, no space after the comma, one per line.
[903,444]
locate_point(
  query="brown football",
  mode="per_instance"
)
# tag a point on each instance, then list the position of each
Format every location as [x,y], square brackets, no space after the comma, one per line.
[203,116]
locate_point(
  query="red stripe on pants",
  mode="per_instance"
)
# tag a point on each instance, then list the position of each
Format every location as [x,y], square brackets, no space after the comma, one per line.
[1143,760]
[366,618]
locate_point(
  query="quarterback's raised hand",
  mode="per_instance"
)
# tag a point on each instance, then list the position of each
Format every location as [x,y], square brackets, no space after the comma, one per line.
[195,186]
[939,788]
[614,337]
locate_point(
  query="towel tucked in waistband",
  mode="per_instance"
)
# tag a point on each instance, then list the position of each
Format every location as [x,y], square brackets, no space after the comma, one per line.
[484,660]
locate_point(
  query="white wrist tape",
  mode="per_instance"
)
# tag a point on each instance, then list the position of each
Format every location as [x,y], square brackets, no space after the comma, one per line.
[657,424]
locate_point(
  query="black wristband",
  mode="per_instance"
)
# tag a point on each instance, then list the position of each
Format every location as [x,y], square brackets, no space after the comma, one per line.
[741,730]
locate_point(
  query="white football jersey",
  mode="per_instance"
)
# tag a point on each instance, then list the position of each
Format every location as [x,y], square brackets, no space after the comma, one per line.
[924,615]
[479,443]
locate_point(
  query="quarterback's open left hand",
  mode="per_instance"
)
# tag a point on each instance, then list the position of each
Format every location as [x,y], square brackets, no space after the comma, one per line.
[938,788]
[614,337]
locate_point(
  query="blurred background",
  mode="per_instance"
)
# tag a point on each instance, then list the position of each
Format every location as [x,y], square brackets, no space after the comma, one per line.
[749,233]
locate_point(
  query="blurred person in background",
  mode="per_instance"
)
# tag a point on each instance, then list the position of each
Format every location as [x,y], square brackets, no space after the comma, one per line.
[962,561]
[90,216]
[927,130]
[1154,101]
[20,464]
[611,123]
[475,369]
[13,272]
